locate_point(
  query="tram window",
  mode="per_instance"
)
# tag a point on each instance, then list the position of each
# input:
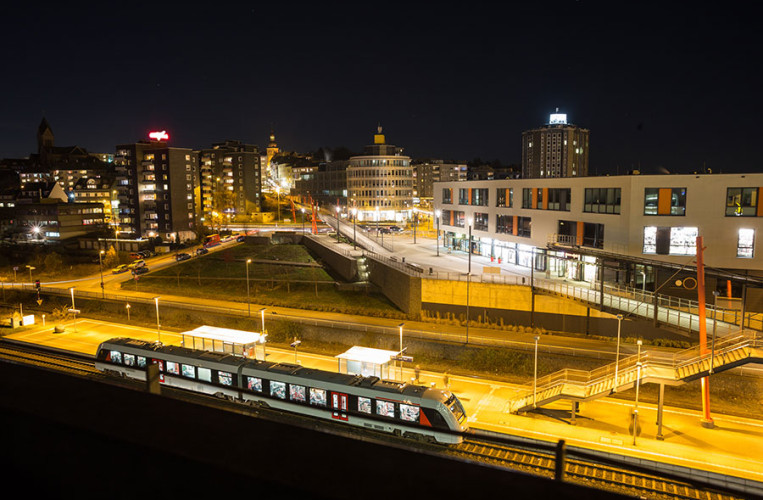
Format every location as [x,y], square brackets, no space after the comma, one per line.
[254,384]
[158,362]
[116,357]
[317,397]
[278,389]
[189,371]
[129,359]
[364,405]
[205,374]
[173,368]
[409,413]
[297,393]
[385,408]
[225,378]
[141,361]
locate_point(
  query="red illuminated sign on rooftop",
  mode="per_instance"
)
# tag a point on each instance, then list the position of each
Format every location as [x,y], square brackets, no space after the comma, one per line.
[159,136]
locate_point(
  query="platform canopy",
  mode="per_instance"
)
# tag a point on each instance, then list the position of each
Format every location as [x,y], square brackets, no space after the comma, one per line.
[226,335]
[367,355]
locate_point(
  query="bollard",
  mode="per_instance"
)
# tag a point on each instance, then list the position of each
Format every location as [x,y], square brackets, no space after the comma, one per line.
[561,459]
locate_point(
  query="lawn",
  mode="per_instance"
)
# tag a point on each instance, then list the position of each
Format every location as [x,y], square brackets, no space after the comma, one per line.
[279,275]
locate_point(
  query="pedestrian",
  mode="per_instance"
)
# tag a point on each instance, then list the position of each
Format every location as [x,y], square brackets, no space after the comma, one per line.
[417,372]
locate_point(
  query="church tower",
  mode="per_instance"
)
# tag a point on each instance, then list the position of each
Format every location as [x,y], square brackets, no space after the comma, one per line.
[45,139]
[272,148]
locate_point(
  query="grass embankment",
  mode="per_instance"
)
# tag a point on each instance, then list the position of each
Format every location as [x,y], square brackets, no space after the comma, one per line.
[279,275]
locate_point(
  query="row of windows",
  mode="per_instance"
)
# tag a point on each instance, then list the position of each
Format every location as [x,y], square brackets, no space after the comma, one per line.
[683,241]
[275,389]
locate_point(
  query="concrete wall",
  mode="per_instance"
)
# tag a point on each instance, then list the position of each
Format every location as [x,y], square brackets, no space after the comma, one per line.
[346,267]
[402,289]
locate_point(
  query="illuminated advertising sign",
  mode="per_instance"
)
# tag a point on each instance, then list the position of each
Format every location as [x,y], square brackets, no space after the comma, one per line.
[159,136]
[558,118]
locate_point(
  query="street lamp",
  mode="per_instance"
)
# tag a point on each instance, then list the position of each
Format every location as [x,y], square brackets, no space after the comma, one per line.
[263,334]
[128,312]
[158,333]
[248,303]
[715,319]
[100,262]
[469,244]
[401,325]
[73,309]
[262,313]
[617,358]
[303,219]
[638,383]
[437,214]
[535,374]
[278,203]
[338,209]
[354,212]
[415,221]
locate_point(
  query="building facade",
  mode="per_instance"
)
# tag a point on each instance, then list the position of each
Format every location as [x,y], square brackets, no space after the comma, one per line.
[380,182]
[558,149]
[426,173]
[641,223]
[156,186]
[231,179]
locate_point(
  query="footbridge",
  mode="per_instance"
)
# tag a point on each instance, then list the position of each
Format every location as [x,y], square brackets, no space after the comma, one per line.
[645,367]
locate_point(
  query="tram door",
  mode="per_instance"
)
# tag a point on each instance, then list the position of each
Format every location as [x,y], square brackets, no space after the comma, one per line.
[339,405]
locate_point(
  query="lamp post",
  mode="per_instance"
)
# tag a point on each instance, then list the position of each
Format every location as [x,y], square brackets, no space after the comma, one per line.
[278,203]
[535,373]
[73,309]
[468,281]
[400,326]
[128,312]
[303,219]
[248,303]
[263,334]
[715,319]
[354,212]
[338,209]
[158,333]
[437,214]
[100,262]
[415,221]
[638,383]
[617,358]
[469,244]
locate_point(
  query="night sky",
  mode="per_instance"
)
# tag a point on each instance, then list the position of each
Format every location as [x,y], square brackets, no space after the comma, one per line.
[660,86]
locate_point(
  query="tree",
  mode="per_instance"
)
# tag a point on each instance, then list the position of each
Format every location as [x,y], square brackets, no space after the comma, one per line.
[111,259]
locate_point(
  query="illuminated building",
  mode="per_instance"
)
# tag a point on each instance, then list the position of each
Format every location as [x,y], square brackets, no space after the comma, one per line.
[382,178]
[558,149]
[155,186]
[231,179]
[643,226]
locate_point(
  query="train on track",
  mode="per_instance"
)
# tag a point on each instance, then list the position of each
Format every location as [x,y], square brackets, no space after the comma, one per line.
[413,411]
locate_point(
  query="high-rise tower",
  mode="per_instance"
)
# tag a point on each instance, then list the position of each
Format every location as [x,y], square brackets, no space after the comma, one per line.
[558,149]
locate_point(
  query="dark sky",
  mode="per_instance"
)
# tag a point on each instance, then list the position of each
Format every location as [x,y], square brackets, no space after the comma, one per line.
[659,85]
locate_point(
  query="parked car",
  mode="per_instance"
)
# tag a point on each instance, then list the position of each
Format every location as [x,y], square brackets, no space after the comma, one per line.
[137,264]
[182,256]
[385,230]
[201,251]
[241,238]
[119,269]
[140,270]
[396,229]
[146,253]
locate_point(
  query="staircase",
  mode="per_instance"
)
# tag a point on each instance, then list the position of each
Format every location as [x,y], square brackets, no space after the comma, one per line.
[685,366]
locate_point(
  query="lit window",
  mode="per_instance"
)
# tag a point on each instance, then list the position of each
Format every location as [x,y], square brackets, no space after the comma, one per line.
[745,243]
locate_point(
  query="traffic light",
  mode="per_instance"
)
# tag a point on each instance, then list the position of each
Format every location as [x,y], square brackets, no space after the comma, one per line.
[37,284]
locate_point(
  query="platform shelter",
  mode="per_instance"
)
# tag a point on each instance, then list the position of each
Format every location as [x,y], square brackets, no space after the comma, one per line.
[212,338]
[366,361]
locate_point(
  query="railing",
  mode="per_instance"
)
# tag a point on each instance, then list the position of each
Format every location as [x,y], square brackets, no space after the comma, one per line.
[683,365]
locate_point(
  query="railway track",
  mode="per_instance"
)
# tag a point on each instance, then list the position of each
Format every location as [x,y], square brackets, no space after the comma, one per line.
[68,363]
[528,459]
[587,473]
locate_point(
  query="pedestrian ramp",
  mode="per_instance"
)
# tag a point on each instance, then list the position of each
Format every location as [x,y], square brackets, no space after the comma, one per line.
[645,367]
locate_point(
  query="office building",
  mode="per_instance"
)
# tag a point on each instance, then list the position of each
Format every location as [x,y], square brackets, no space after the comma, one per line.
[558,149]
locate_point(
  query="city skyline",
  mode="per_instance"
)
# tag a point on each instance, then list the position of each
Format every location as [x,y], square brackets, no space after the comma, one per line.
[660,91]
